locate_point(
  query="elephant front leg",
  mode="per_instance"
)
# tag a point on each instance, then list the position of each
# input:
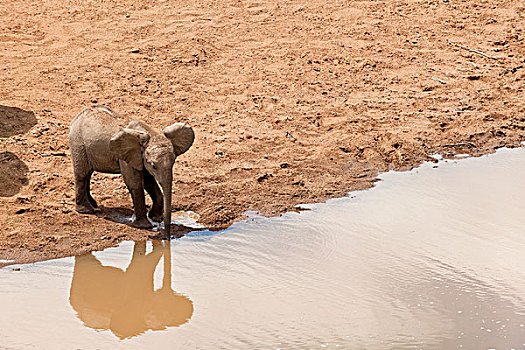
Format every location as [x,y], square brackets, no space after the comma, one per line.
[155,193]
[134,179]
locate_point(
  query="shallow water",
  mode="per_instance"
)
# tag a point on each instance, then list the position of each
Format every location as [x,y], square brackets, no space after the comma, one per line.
[432,259]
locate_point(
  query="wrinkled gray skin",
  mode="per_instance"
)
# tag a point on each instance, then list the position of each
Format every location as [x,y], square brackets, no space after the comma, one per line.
[103,140]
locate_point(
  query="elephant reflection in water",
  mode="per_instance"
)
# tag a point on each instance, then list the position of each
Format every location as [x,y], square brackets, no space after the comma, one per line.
[125,302]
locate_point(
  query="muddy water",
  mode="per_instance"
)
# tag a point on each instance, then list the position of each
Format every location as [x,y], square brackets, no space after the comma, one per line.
[433,258]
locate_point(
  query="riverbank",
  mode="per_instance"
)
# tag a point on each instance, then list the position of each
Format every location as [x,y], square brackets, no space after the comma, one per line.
[291,103]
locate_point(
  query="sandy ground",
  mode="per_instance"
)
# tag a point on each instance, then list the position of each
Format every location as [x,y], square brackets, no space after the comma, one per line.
[292,101]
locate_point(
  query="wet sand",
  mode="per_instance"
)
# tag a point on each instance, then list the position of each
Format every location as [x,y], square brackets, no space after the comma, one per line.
[431,258]
[292,102]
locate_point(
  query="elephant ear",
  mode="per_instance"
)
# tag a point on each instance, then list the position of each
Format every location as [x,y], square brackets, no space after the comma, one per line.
[128,144]
[181,136]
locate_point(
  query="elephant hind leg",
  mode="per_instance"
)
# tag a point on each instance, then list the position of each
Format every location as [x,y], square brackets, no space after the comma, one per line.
[155,193]
[90,198]
[83,204]
[83,173]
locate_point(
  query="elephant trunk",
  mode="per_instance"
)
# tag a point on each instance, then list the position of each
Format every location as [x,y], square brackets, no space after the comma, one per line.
[166,189]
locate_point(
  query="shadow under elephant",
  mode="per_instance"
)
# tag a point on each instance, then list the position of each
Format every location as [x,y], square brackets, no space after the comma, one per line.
[125,302]
[122,215]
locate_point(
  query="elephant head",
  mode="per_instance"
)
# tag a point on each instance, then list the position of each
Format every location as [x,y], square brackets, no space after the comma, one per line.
[144,148]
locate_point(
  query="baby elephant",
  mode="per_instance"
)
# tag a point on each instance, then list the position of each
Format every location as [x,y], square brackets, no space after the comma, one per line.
[103,140]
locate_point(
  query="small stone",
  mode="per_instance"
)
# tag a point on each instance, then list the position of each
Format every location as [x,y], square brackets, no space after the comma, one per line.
[264,177]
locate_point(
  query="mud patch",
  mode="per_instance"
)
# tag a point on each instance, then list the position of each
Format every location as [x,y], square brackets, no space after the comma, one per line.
[13,174]
[15,121]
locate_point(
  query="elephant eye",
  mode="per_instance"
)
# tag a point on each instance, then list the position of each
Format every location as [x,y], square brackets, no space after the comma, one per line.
[153,166]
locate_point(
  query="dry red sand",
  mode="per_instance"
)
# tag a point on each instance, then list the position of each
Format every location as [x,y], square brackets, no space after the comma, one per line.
[292,101]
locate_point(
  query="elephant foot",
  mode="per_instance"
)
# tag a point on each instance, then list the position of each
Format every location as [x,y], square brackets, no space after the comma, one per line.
[85,209]
[141,223]
[155,216]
